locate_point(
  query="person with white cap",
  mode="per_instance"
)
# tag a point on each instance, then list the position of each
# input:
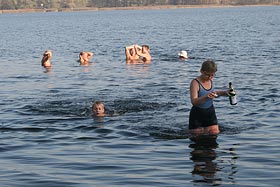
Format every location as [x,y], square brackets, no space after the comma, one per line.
[183,54]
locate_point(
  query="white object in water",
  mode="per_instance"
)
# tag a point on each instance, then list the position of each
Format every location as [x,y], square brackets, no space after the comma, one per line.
[183,54]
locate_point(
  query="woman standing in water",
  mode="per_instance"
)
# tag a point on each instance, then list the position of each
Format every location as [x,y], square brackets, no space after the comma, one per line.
[202,119]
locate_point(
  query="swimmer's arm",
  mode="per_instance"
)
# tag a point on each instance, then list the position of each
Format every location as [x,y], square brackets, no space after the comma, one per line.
[147,56]
[111,114]
[138,51]
[138,47]
[115,114]
[129,47]
[89,54]
[127,54]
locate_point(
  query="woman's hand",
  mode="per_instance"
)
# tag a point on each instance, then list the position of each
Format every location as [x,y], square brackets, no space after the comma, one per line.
[212,95]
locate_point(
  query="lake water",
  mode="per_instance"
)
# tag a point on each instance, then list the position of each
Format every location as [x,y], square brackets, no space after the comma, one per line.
[49,138]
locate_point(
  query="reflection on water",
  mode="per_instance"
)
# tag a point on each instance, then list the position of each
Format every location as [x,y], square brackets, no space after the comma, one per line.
[211,164]
[204,155]
[47,70]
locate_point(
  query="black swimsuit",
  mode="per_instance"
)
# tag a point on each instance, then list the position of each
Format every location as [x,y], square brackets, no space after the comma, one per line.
[203,115]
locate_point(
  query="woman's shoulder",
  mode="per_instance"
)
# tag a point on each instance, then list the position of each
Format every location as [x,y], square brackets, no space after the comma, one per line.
[195,81]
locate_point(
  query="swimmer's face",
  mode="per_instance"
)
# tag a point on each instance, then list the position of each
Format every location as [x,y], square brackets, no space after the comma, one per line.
[98,110]
[48,54]
[84,54]
[145,49]
[132,51]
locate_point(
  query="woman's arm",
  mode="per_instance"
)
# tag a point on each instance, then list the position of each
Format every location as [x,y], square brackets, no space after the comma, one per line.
[222,92]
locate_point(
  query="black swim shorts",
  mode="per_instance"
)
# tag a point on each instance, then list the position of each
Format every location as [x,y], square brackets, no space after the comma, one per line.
[200,117]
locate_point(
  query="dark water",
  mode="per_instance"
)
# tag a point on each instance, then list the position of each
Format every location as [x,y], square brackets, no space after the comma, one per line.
[47,134]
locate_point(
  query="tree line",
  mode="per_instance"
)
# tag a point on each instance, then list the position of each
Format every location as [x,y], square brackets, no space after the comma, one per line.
[37,4]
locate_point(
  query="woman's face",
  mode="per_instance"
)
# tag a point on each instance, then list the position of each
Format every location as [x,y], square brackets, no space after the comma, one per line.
[208,75]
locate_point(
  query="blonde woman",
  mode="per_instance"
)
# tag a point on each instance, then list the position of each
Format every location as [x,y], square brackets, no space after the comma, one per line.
[202,119]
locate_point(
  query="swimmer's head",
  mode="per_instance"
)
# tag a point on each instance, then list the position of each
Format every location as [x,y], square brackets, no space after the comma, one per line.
[48,53]
[183,54]
[98,108]
[145,48]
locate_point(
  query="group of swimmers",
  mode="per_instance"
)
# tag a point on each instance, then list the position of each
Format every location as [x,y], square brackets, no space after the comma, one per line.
[135,54]
[84,58]
[202,118]
[141,54]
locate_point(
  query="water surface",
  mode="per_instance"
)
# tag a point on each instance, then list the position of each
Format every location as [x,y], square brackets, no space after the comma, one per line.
[49,138]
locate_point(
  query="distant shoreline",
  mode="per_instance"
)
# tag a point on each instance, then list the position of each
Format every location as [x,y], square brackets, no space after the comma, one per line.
[157,7]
